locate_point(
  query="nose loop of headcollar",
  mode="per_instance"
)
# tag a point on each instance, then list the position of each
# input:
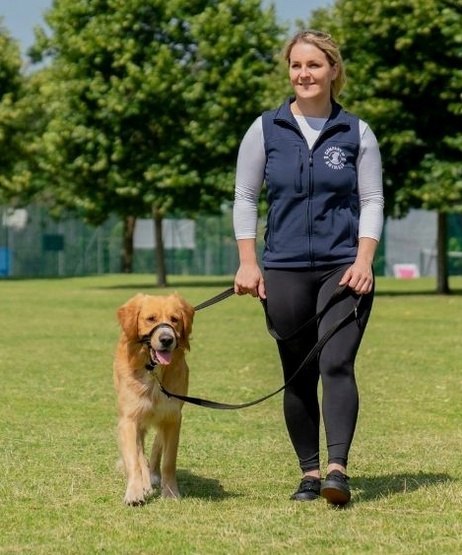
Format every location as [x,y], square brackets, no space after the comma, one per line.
[147,337]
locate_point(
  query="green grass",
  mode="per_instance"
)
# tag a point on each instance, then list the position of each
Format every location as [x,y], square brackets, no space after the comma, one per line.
[59,489]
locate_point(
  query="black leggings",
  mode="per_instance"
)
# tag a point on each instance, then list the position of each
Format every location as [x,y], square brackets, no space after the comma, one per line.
[293,296]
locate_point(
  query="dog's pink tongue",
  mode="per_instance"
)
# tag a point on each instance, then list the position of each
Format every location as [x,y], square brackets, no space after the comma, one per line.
[164,357]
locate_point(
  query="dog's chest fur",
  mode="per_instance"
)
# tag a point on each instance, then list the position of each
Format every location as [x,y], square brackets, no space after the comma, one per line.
[147,400]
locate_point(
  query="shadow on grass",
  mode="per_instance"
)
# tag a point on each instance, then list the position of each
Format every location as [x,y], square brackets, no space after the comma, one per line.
[194,486]
[378,487]
[417,293]
[224,282]
[227,281]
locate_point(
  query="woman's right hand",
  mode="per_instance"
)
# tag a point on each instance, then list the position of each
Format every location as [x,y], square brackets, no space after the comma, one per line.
[249,280]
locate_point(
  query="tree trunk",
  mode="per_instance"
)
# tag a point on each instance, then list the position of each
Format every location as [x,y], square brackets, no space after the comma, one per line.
[159,248]
[126,263]
[442,286]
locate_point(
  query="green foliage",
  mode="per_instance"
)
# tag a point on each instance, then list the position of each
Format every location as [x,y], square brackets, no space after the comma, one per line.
[11,83]
[404,62]
[60,491]
[147,100]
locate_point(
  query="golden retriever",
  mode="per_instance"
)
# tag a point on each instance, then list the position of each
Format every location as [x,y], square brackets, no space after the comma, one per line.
[151,350]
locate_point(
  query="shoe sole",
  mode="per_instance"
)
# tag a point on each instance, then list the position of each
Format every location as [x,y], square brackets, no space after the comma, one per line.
[334,495]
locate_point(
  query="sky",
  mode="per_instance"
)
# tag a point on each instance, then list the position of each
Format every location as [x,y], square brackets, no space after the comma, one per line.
[21,16]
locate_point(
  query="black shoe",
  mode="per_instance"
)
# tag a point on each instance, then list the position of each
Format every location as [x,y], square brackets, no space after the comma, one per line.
[335,488]
[308,490]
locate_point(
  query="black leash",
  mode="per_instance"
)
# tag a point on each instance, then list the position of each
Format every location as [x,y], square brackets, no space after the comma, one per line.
[309,357]
[220,297]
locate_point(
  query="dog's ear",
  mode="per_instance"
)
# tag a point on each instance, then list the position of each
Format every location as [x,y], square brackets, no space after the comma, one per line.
[187,312]
[127,315]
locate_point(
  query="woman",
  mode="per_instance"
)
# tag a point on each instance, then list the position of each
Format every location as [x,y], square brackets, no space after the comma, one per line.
[322,170]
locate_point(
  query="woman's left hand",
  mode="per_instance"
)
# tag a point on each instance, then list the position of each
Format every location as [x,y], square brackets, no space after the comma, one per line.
[359,277]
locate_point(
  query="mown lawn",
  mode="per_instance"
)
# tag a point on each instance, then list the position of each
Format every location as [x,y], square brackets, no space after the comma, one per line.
[60,491]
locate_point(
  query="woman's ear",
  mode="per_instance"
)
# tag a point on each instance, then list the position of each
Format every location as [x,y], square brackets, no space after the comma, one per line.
[334,71]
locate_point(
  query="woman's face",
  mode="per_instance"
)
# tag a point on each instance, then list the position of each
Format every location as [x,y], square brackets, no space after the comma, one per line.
[310,72]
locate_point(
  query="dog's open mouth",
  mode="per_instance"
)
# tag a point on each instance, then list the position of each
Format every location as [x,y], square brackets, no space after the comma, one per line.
[161,357]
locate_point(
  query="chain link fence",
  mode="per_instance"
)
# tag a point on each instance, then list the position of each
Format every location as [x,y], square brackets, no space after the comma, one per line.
[32,244]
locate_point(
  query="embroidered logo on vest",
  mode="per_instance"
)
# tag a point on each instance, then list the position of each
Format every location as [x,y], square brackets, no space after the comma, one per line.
[335,158]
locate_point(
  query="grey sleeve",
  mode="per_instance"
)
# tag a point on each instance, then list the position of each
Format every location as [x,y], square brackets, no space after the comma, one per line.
[250,171]
[370,188]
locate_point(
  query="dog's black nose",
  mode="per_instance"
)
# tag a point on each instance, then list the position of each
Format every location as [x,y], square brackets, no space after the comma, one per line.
[166,339]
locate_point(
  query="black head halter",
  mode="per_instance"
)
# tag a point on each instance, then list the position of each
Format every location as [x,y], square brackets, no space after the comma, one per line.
[146,341]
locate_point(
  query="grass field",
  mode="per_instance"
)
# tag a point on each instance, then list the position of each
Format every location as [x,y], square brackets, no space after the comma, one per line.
[60,492]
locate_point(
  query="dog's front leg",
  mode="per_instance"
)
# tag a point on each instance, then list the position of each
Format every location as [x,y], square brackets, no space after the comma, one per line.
[156,455]
[171,435]
[131,447]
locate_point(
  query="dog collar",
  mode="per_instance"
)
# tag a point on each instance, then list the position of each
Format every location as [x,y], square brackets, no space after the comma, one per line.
[151,366]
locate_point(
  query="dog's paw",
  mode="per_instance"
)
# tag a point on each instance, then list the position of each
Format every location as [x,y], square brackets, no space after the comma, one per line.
[135,497]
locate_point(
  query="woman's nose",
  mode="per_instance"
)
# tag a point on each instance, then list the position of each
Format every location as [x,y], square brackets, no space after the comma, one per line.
[304,72]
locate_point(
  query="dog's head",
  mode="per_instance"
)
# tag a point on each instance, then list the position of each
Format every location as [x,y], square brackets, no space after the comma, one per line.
[162,323]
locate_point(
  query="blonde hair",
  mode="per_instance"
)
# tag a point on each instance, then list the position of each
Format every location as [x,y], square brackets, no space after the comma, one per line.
[325,43]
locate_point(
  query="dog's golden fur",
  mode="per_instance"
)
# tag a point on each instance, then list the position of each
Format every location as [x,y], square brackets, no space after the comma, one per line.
[141,404]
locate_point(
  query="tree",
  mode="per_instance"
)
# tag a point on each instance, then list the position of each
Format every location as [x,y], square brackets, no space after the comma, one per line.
[404,59]
[147,100]
[11,87]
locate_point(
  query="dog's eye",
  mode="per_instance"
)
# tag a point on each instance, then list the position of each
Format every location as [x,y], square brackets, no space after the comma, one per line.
[151,319]
[174,319]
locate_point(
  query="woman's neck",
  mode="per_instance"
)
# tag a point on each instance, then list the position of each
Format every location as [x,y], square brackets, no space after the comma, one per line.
[311,109]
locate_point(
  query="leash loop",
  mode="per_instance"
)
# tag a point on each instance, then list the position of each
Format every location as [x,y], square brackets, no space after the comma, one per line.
[334,298]
[309,357]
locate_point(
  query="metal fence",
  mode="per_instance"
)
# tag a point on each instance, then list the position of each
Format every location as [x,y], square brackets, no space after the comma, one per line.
[412,241]
[32,244]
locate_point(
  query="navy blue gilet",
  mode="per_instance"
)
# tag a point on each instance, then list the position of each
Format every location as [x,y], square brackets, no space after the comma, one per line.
[313,202]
